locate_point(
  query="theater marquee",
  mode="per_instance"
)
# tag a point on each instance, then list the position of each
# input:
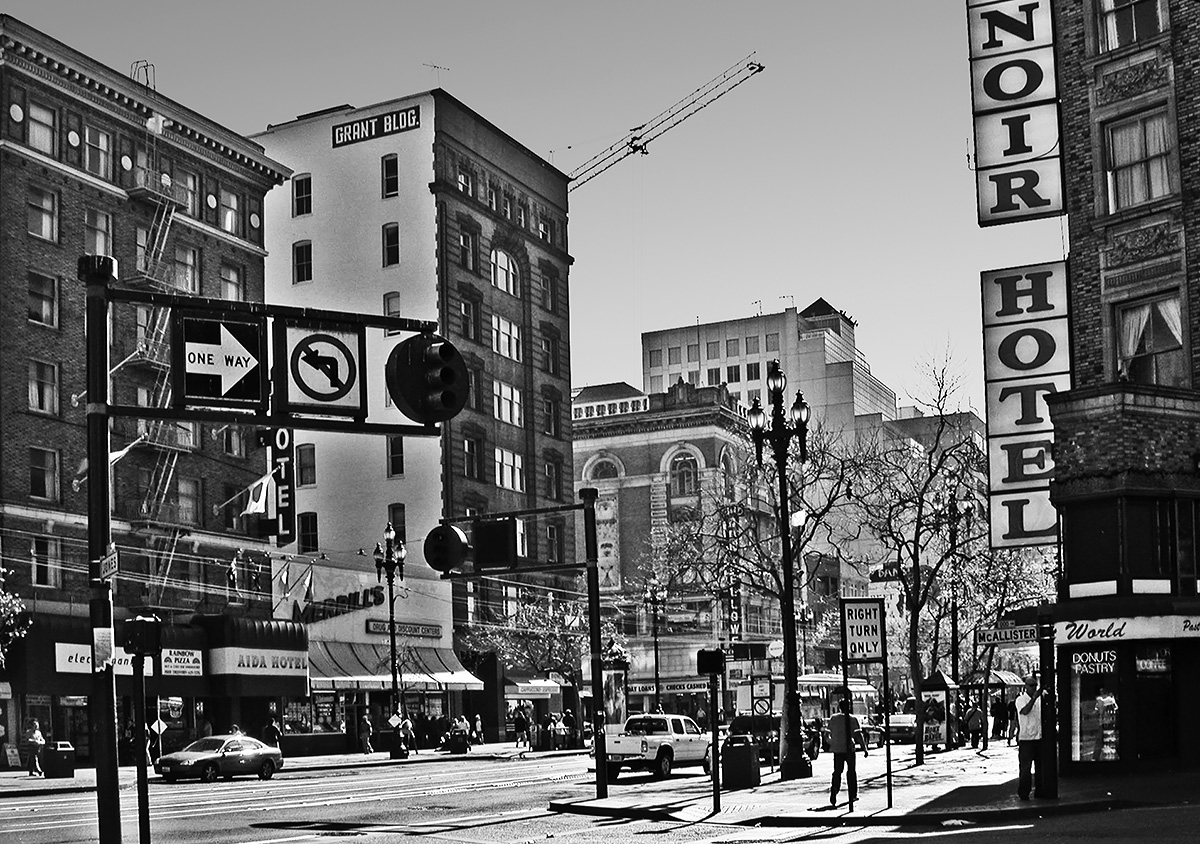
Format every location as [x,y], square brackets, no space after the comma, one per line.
[1025,358]
[1014,96]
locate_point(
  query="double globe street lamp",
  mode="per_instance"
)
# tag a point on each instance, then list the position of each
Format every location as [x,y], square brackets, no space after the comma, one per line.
[389,560]
[779,432]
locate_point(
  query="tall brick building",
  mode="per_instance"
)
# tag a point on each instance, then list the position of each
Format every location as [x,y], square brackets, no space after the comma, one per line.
[93,161]
[1127,433]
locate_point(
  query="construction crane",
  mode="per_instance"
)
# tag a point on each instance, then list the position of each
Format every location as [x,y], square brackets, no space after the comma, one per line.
[640,137]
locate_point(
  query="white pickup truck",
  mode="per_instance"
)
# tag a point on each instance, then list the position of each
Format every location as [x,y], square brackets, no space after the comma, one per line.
[657,743]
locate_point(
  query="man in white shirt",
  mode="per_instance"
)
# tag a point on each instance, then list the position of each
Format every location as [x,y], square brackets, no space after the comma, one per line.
[1029,739]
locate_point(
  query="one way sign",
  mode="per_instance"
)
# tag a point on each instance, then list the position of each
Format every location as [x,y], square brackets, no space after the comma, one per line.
[219,361]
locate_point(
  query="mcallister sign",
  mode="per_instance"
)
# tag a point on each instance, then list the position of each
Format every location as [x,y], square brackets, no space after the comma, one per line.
[370,128]
[1014,93]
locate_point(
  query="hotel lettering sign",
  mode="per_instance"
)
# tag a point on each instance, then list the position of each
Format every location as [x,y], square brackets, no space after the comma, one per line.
[1025,358]
[1014,94]
[370,128]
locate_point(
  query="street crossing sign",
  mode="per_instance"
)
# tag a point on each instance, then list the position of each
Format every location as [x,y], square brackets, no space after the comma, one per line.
[1021,634]
[219,361]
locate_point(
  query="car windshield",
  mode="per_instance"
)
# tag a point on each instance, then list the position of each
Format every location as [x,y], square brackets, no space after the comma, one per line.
[205,745]
[646,726]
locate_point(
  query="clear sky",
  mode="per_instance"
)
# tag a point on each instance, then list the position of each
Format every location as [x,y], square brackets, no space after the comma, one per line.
[841,171]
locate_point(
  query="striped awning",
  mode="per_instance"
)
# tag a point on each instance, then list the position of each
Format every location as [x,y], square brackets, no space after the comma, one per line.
[363,665]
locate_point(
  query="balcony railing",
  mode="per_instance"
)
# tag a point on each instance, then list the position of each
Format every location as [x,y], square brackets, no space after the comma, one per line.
[157,186]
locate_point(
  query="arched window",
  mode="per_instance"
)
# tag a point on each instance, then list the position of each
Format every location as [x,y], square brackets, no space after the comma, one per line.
[685,475]
[505,273]
[603,470]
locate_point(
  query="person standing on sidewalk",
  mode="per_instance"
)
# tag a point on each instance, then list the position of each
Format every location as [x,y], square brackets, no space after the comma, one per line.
[364,734]
[36,742]
[1029,739]
[975,724]
[844,731]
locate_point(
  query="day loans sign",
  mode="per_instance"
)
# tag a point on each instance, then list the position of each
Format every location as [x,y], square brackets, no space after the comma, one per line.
[1014,97]
[1025,359]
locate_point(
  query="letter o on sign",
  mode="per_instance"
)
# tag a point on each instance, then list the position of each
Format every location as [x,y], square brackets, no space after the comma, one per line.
[1031,71]
[1045,349]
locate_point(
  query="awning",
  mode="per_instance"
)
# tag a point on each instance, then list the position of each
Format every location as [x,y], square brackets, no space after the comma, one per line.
[997,678]
[366,665]
[255,657]
[530,688]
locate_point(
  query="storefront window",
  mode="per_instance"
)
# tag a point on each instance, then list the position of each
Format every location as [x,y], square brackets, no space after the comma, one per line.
[321,713]
[1155,701]
[1094,709]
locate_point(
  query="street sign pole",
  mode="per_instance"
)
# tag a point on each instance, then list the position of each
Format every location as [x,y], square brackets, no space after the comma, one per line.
[98,271]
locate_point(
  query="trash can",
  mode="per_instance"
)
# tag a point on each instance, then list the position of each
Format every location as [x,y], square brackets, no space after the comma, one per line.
[739,766]
[457,743]
[59,761]
[545,739]
[399,748]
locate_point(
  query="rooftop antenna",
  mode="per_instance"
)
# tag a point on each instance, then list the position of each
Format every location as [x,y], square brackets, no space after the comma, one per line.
[437,69]
[790,298]
[758,302]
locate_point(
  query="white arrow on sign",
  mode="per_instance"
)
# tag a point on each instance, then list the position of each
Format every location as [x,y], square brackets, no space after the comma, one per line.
[229,359]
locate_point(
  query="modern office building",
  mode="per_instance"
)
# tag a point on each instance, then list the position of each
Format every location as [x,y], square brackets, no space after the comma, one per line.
[93,161]
[421,208]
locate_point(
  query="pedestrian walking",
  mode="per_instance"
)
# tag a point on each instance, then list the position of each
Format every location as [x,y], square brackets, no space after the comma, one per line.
[521,727]
[478,734]
[1029,740]
[1012,720]
[271,733]
[364,735]
[36,743]
[999,717]
[974,723]
[408,734]
[844,731]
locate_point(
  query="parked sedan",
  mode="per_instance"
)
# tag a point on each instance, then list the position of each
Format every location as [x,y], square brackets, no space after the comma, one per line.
[220,756]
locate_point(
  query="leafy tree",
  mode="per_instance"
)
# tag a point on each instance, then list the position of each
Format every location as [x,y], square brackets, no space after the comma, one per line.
[14,622]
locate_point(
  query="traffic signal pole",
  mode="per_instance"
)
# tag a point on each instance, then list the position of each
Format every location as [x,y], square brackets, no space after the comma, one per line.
[98,271]
[592,554]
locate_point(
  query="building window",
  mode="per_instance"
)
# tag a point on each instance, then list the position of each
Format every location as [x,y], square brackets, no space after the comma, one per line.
[773,342]
[42,130]
[552,408]
[685,475]
[97,232]
[714,376]
[306,464]
[522,216]
[510,470]
[1151,343]
[674,355]
[506,206]
[543,230]
[693,376]
[466,254]
[731,347]
[188,500]
[656,383]
[505,273]
[469,324]
[97,152]
[42,214]
[1138,153]
[1124,22]
[753,371]
[506,403]
[46,559]
[43,299]
[395,455]
[43,387]
[554,544]
[604,470]
[656,357]
[191,192]
[712,349]
[465,183]
[553,480]
[472,454]
[231,212]
[550,355]
[43,474]
[231,283]
[506,338]
[733,374]
[391,244]
[307,539]
[187,269]
[390,176]
[301,195]
[302,262]
[234,441]
[550,293]
[752,345]
[752,395]
[693,352]
[398,519]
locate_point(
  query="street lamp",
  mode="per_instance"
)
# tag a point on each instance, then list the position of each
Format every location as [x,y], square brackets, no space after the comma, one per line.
[782,430]
[389,560]
[654,596]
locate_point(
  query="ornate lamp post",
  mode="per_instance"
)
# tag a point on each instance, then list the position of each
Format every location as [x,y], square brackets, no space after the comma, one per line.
[780,433]
[654,596]
[389,560]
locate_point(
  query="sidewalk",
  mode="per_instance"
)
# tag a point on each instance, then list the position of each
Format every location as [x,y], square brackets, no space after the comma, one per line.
[962,785]
[17,783]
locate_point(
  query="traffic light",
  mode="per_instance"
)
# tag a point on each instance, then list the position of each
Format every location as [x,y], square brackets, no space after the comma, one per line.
[495,543]
[142,635]
[427,378]
[445,548]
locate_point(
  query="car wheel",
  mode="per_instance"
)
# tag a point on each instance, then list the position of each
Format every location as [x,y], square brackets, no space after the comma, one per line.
[267,770]
[614,771]
[662,767]
[210,772]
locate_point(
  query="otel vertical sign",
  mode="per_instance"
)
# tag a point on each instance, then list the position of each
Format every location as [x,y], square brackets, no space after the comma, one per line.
[1014,94]
[283,460]
[1025,358]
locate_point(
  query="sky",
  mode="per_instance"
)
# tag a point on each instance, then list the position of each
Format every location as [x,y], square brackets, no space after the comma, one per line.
[841,171]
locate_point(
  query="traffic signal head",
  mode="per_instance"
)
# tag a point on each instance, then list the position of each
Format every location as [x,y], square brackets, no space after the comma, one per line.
[494,542]
[142,635]
[445,548]
[427,378]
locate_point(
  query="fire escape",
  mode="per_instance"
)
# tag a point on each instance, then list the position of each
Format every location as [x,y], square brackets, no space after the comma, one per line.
[160,514]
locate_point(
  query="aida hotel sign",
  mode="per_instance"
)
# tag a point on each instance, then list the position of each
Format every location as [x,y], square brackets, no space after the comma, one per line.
[1014,95]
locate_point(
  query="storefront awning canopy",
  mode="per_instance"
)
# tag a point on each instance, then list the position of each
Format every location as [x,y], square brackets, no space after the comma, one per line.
[996,679]
[529,688]
[364,665]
